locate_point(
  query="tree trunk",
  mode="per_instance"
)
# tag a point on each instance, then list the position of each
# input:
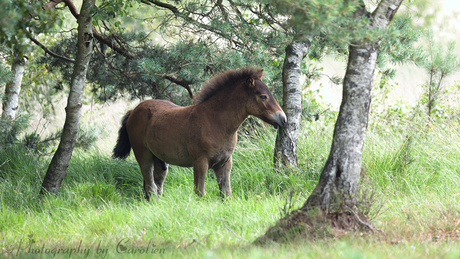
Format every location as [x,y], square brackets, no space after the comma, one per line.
[286,140]
[58,166]
[339,179]
[341,173]
[10,103]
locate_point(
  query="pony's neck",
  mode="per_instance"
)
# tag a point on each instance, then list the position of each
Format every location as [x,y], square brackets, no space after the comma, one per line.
[228,110]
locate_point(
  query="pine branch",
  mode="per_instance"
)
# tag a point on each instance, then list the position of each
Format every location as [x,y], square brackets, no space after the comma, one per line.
[195,22]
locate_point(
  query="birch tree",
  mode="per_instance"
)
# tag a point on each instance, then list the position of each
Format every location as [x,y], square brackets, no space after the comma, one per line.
[17,23]
[342,170]
[13,87]
[60,161]
[339,181]
[286,141]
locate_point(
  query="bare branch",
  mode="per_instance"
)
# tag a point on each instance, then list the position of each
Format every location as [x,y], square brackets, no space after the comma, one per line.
[72,8]
[172,8]
[183,83]
[51,4]
[69,3]
[50,52]
[363,223]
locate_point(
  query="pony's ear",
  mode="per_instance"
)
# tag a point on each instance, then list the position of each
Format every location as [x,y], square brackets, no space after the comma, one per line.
[258,74]
[250,82]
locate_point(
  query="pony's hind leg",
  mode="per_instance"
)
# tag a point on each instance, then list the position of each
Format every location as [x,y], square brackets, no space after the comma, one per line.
[146,159]
[149,184]
[159,174]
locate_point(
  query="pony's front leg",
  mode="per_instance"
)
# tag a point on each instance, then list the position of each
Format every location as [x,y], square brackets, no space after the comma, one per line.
[200,167]
[223,178]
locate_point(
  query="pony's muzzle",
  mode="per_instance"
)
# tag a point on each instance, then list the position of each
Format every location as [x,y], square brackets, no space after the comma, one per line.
[279,119]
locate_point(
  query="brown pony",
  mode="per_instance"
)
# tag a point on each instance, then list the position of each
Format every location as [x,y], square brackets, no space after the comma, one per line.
[202,135]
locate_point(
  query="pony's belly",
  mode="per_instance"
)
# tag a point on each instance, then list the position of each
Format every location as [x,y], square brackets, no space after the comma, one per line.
[176,158]
[180,163]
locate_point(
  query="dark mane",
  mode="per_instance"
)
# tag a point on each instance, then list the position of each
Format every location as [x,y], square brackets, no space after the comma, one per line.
[223,80]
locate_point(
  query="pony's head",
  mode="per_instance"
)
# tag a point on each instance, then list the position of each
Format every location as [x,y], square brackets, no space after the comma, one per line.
[261,102]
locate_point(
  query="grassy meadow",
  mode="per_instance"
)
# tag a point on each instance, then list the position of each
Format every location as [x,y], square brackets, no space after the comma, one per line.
[413,169]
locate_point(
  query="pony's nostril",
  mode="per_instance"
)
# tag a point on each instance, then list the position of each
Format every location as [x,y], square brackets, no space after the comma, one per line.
[283,123]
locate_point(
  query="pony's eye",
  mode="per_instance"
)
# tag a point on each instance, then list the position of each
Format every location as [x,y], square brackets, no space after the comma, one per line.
[263,97]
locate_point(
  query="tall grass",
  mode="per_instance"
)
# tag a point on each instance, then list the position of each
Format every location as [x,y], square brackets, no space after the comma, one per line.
[418,162]
[415,171]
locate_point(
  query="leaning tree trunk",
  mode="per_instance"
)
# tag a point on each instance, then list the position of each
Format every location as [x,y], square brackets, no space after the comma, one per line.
[343,167]
[13,88]
[286,140]
[339,179]
[57,168]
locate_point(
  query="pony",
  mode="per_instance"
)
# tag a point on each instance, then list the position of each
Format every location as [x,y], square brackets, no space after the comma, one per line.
[202,135]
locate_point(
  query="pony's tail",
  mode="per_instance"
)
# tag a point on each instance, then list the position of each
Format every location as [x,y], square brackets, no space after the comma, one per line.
[123,146]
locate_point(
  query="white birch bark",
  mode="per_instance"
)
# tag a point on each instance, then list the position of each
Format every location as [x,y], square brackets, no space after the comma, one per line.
[13,88]
[339,179]
[58,166]
[285,154]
